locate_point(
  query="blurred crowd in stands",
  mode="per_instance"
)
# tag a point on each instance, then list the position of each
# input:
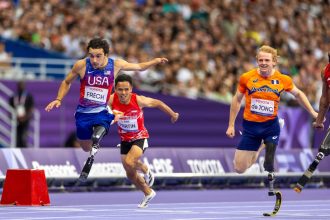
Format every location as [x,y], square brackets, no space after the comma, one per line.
[209,42]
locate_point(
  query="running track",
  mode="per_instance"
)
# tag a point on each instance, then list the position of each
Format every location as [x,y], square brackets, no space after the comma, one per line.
[177,205]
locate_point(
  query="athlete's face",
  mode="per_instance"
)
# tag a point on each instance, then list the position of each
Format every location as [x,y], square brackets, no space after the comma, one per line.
[124,91]
[266,63]
[97,57]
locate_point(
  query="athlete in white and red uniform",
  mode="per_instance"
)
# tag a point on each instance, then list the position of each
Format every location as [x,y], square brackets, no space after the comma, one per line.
[128,109]
[324,148]
[97,74]
[131,122]
[323,108]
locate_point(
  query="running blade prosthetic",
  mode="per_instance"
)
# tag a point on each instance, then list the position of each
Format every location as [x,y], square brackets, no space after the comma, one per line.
[278,203]
[308,173]
[86,169]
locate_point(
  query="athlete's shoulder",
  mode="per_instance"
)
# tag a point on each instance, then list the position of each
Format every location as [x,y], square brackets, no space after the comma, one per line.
[249,73]
[326,71]
[245,77]
[134,96]
[285,80]
[80,63]
[79,66]
[119,62]
[282,76]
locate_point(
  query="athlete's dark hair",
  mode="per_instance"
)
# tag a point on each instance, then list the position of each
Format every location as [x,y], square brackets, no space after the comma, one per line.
[97,43]
[124,78]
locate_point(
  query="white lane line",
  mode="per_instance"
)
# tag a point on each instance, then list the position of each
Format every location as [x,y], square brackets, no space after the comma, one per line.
[201,203]
[289,209]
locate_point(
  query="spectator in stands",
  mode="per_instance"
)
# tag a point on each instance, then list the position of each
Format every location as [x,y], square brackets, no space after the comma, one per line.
[5,58]
[216,36]
[23,103]
[134,136]
[97,73]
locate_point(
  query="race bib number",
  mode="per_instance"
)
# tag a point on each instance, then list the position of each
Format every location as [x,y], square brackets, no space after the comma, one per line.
[96,94]
[128,123]
[262,107]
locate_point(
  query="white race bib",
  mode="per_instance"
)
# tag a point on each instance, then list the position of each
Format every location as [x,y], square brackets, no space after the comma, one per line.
[262,107]
[96,94]
[128,123]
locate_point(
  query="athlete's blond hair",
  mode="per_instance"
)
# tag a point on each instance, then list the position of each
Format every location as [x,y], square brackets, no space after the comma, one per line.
[268,49]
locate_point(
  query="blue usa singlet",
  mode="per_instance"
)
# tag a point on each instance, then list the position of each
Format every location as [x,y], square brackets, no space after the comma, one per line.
[95,88]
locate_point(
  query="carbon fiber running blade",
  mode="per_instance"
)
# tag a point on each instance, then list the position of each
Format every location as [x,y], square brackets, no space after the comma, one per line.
[278,203]
[86,169]
[308,173]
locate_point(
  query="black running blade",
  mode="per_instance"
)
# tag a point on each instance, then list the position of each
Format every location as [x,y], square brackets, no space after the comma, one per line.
[301,183]
[278,203]
[86,169]
[308,173]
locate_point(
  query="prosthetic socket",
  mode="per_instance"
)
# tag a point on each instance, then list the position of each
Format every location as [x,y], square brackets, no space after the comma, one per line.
[269,166]
[269,157]
[98,134]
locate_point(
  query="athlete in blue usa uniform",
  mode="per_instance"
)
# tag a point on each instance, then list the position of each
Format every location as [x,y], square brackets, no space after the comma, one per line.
[96,73]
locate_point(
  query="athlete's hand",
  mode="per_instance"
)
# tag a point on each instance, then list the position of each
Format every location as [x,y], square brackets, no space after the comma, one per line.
[318,125]
[175,117]
[56,103]
[161,60]
[117,114]
[230,131]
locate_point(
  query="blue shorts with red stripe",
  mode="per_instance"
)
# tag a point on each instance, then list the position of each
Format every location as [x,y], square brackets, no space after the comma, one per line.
[86,121]
[255,132]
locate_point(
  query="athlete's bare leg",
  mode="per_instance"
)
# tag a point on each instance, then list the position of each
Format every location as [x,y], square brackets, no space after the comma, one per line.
[86,145]
[93,143]
[244,159]
[141,167]
[131,163]
[262,146]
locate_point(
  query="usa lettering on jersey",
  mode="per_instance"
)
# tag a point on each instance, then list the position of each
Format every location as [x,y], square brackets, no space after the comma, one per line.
[98,81]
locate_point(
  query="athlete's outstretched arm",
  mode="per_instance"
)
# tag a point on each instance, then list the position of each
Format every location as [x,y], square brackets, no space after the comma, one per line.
[124,65]
[155,103]
[234,109]
[303,101]
[66,84]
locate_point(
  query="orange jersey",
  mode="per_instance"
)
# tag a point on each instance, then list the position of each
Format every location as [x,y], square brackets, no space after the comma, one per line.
[263,94]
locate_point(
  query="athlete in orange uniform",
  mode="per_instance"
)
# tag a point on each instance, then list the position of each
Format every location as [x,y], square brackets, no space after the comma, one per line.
[134,136]
[262,88]
[263,94]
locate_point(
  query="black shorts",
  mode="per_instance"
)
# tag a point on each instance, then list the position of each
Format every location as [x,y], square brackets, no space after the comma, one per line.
[125,146]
